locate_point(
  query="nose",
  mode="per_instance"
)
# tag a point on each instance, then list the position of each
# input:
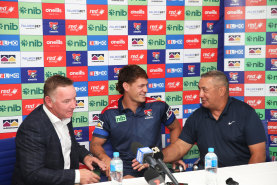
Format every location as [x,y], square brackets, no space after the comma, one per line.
[201,93]
[74,104]
[145,89]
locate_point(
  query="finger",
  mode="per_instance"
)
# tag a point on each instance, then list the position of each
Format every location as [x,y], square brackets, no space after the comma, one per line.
[135,164]
[89,165]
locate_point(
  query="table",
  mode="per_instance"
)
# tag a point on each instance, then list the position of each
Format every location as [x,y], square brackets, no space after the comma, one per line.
[251,174]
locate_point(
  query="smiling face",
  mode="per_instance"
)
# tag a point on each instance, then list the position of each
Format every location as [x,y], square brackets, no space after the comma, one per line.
[137,90]
[62,102]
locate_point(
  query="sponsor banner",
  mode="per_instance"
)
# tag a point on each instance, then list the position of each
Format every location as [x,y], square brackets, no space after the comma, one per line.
[138,27]
[190,83]
[254,64]
[231,3]
[192,41]
[271,89]
[54,59]
[192,27]
[54,43]
[31,43]
[30,10]
[9,9]
[256,38]
[118,2]
[255,12]
[175,2]
[261,114]
[256,3]
[97,58]
[156,12]
[255,51]
[156,70]
[235,77]
[255,77]
[98,88]
[236,89]
[81,104]
[138,42]
[191,97]
[272,139]
[53,11]
[193,13]
[156,42]
[271,38]
[77,74]
[234,39]
[79,27]
[76,43]
[255,25]
[174,42]
[114,71]
[173,84]
[50,71]
[81,88]
[160,96]
[174,98]
[32,75]
[97,103]
[112,87]
[97,12]
[271,51]
[234,51]
[271,64]
[272,126]
[207,66]
[32,91]
[53,27]
[210,27]
[75,1]
[209,41]
[29,105]
[271,25]
[137,12]
[9,26]
[271,12]
[254,89]
[156,56]
[173,70]
[118,57]
[210,13]
[10,124]
[34,59]
[235,13]
[192,55]
[189,109]
[209,55]
[178,111]
[193,2]
[9,59]
[156,85]
[76,58]
[270,102]
[137,57]
[175,27]
[174,56]
[11,108]
[234,26]
[156,2]
[81,133]
[99,42]
[75,11]
[156,27]
[116,12]
[10,76]
[118,42]
[175,13]
[255,102]
[30,26]
[118,27]
[94,117]
[273,153]
[101,2]
[9,43]
[10,91]
[191,69]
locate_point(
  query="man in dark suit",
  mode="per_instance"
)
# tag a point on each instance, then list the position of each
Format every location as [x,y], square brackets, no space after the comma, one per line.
[46,150]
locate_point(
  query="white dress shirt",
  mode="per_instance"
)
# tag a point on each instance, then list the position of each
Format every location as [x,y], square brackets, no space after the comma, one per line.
[65,140]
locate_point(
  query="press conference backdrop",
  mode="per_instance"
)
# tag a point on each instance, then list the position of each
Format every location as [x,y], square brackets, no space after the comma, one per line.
[173,40]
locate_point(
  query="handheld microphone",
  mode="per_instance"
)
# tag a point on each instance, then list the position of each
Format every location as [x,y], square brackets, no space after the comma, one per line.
[153,178]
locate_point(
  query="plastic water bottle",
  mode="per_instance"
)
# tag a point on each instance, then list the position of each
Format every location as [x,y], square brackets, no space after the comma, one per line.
[211,167]
[116,169]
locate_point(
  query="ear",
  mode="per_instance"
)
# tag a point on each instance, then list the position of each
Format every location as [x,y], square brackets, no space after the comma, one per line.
[48,101]
[125,86]
[222,91]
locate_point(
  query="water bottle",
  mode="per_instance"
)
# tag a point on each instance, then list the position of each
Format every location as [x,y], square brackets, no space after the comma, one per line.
[211,167]
[116,169]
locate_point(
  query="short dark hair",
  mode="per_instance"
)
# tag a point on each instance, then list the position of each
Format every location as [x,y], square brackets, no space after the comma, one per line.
[129,74]
[217,76]
[53,82]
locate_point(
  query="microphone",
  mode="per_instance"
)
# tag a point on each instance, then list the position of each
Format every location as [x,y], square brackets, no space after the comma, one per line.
[153,177]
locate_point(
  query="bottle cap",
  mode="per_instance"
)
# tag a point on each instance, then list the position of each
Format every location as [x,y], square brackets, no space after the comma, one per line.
[116,154]
[210,149]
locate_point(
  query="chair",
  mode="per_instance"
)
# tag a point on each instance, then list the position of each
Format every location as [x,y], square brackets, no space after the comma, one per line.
[7,160]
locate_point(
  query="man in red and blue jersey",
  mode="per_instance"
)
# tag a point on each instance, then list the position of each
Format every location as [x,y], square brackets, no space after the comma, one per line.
[133,118]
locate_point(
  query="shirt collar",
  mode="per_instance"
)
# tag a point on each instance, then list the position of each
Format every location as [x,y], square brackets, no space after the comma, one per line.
[120,105]
[54,119]
[225,110]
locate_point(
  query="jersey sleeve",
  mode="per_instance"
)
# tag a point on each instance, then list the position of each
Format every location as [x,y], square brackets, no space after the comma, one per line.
[102,128]
[168,116]
[188,133]
[254,130]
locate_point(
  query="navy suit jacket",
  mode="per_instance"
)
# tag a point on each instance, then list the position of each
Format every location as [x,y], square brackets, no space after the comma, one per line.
[39,158]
